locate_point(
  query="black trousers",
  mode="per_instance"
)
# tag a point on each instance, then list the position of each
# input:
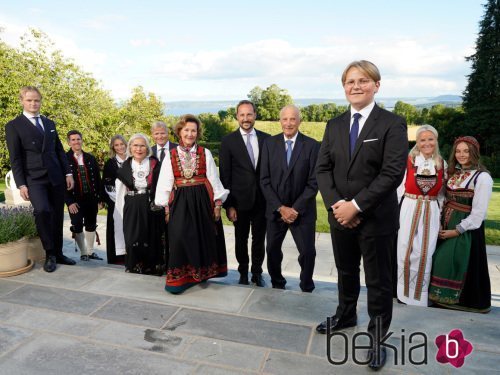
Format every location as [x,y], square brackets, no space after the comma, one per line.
[348,247]
[304,236]
[48,204]
[86,216]
[256,220]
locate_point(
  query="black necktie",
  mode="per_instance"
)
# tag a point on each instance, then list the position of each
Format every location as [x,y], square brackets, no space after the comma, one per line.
[162,154]
[38,125]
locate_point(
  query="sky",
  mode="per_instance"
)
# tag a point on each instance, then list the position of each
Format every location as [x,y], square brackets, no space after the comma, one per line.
[220,50]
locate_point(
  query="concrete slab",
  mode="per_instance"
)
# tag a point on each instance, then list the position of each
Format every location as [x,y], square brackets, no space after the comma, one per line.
[8,286]
[241,329]
[141,338]
[288,306]
[135,312]
[10,337]
[53,354]
[56,299]
[227,353]
[209,294]
[41,319]
[72,277]
[211,370]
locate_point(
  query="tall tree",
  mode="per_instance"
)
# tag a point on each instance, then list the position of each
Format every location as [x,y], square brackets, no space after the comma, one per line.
[269,101]
[481,100]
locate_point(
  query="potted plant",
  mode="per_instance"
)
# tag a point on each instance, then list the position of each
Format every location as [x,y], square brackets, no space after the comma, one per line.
[17,229]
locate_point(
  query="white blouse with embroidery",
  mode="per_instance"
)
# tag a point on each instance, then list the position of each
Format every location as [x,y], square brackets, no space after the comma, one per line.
[482,194]
[166,179]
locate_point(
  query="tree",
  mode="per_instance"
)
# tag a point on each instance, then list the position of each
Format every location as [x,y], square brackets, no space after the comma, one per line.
[481,100]
[269,101]
[71,97]
[140,111]
[408,111]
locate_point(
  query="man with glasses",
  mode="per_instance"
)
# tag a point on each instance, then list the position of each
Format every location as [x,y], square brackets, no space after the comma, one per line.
[360,165]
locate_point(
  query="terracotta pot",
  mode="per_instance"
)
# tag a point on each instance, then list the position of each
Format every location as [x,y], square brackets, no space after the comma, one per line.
[35,250]
[14,257]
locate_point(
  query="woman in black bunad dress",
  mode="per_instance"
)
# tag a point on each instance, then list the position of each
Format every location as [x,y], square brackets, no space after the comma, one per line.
[135,189]
[118,154]
[192,193]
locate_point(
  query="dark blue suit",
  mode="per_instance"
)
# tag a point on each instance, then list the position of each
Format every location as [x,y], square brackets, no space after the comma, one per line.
[39,162]
[292,186]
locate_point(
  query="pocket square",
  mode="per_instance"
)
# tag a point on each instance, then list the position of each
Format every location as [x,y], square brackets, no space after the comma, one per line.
[53,130]
[370,140]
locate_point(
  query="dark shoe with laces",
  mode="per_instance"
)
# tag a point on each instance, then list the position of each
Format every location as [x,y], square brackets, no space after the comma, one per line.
[50,263]
[258,279]
[62,259]
[336,324]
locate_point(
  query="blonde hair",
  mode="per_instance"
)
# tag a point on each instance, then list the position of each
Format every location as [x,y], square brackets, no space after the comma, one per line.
[367,67]
[436,156]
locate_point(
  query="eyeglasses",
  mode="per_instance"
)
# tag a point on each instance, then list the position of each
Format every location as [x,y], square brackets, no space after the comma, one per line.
[363,82]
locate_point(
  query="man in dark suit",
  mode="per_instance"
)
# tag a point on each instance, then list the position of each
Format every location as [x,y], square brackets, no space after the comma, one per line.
[239,167]
[159,133]
[361,163]
[288,181]
[41,171]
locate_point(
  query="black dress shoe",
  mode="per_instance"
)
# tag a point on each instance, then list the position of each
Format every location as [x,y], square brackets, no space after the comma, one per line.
[50,264]
[62,259]
[336,324]
[376,361]
[243,280]
[258,279]
[84,258]
[95,256]
[278,286]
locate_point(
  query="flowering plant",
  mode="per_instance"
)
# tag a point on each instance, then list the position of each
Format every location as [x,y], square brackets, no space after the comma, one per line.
[16,223]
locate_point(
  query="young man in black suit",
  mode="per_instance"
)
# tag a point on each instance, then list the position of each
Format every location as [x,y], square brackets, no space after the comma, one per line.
[361,163]
[41,171]
[239,167]
[288,181]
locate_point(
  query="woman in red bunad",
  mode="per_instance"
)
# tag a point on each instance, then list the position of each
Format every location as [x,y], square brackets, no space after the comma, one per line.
[190,190]
[460,278]
[422,194]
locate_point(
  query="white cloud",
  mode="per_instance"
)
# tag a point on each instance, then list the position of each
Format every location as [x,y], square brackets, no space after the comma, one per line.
[147,42]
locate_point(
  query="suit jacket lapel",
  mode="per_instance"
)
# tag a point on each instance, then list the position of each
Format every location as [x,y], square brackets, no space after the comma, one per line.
[33,130]
[47,129]
[260,141]
[344,134]
[367,127]
[297,148]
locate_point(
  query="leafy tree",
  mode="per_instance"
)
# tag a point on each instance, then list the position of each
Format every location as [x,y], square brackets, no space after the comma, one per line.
[481,98]
[71,97]
[269,101]
[408,111]
[140,111]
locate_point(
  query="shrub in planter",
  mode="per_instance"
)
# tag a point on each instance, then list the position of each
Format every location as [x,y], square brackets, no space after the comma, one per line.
[17,226]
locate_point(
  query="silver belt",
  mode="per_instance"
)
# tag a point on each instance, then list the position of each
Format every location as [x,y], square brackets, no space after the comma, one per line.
[137,192]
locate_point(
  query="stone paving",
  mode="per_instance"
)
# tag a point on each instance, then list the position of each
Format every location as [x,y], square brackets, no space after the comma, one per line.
[96,319]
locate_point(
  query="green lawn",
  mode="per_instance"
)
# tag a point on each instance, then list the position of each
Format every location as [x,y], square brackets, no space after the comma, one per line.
[492,224]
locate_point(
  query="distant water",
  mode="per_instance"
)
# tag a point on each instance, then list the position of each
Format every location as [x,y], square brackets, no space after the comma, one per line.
[197,107]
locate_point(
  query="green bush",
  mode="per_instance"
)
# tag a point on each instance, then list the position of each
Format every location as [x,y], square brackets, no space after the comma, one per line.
[15,223]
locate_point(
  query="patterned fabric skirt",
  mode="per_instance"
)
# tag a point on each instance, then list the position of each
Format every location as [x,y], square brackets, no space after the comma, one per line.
[196,241]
